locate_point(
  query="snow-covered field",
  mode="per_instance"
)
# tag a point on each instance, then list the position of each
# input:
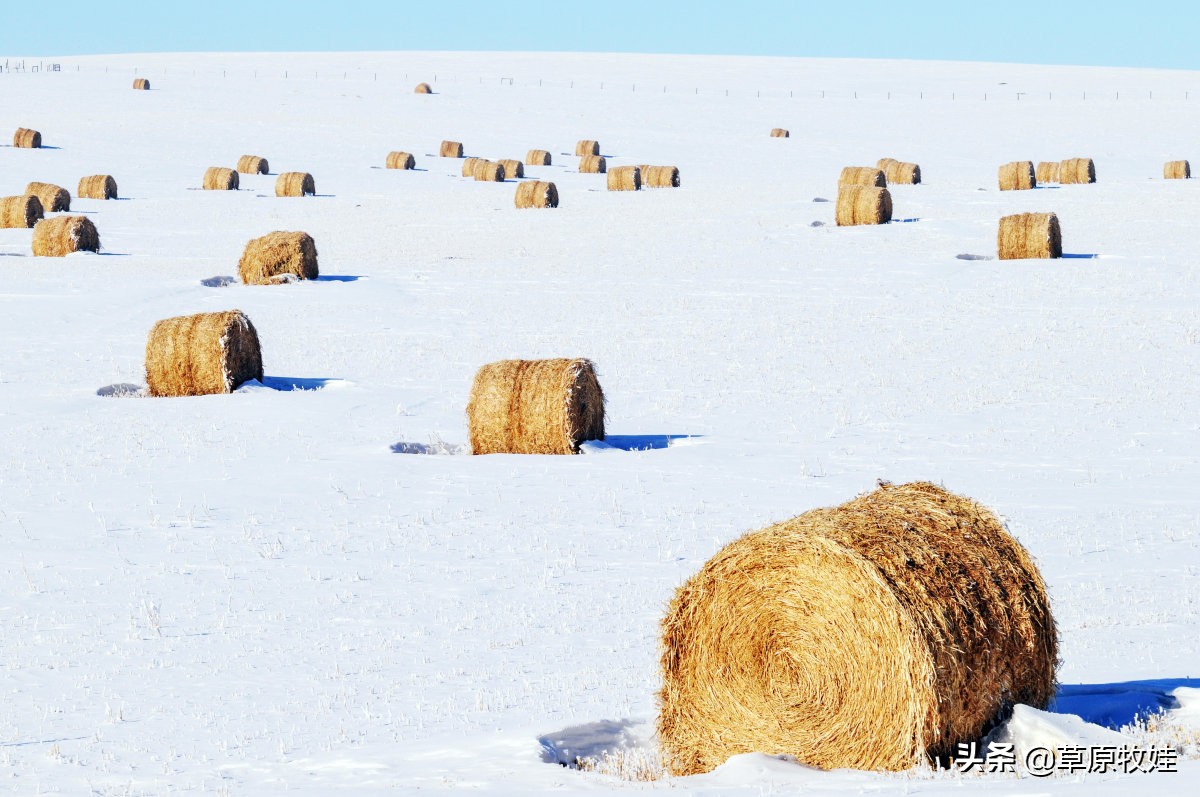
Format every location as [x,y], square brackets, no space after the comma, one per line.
[271,592]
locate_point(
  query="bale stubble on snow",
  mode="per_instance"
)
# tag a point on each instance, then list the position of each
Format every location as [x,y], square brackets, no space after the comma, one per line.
[1177,170]
[202,354]
[141,84]
[862,175]
[451,149]
[274,257]
[1046,172]
[219,178]
[20,211]
[295,184]
[27,139]
[537,157]
[97,186]
[1076,171]
[62,235]
[592,164]
[873,635]
[512,167]
[401,160]
[586,146]
[54,198]
[535,407]
[1017,176]
[625,178]
[862,204]
[899,172]
[1025,236]
[536,194]
[253,164]
[659,176]
[779,132]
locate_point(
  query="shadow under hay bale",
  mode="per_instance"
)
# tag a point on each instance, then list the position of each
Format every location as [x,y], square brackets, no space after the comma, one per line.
[1177,170]
[592,164]
[423,88]
[862,204]
[97,186]
[660,176]
[873,635]
[624,178]
[54,198]
[1046,172]
[486,171]
[536,194]
[862,175]
[20,211]
[27,139]
[253,164]
[219,178]
[512,167]
[295,184]
[1025,236]
[62,235]
[586,146]
[535,407]
[141,84]
[401,160]
[537,157]
[203,354]
[1076,171]
[779,132]
[276,254]
[451,149]
[1017,176]
[899,172]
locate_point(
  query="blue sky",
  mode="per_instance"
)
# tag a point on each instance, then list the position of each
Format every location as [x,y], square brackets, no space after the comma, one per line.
[1152,34]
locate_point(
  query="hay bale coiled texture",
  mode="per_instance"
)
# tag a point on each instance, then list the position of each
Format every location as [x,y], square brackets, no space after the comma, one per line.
[486,171]
[451,149]
[141,84]
[253,164]
[624,178]
[585,146]
[63,235]
[218,178]
[1076,170]
[202,354]
[97,186]
[54,198]
[862,204]
[862,175]
[27,139]
[592,164]
[1029,235]
[537,157]
[1046,172]
[1177,170]
[872,635]
[295,184]
[536,194]
[512,167]
[266,260]
[899,172]
[20,211]
[779,132]
[659,176]
[535,407]
[401,160]
[1017,176]
[423,88]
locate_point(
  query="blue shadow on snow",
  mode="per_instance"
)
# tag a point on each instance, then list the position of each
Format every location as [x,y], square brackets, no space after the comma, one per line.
[289,383]
[1118,704]
[338,278]
[645,442]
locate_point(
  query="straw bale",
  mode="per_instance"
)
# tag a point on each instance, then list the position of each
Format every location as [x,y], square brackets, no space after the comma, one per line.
[20,211]
[592,164]
[97,186]
[54,198]
[218,178]
[63,235]
[423,88]
[779,132]
[512,167]
[27,139]
[401,160]
[899,172]
[624,178]
[1077,170]
[586,146]
[1017,176]
[295,184]
[862,204]
[536,194]
[1029,235]
[862,175]
[1046,172]
[451,149]
[659,176]
[278,253]
[1177,170]
[486,171]
[535,407]
[202,354]
[253,164]
[873,635]
[141,84]
[537,157]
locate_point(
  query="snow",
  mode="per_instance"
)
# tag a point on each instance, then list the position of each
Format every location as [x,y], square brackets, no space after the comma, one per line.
[262,593]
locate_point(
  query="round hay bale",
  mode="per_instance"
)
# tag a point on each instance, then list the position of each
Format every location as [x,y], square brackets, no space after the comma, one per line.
[141,84]
[62,235]
[218,178]
[451,149]
[97,186]
[624,178]
[253,164]
[468,166]
[1029,235]
[862,175]
[779,132]
[862,204]
[1076,171]
[295,184]
[27,139]
[202,354]
[1046,172]
[536,194]
[537,157]
[899,172]
[873,635]
[586,146]
[423,88]
[401,160]
[278,253]
[1177,170]
[20,211]
[659,176]
[486,171]
[592,164]
[535,407]
[1017,176]
[512,167]
[54,198]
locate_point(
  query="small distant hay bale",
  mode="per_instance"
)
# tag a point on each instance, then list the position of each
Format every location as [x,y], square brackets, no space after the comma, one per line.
[512,167]
[295,184]
[468,166]
[451,149]
[27,139]
[862,175]
[1046,172]
[97,186]
[874,635]
[1076,171]
[141,84]
[218,178]
[592,164]
[1029,235]
[423,88]
[252,164]
[1177,170]
[899,172]
[54,198]
[862,204]
[536,194]
[624,178]
[535,407]
[202,354]
[62,235]
[274,254]
[586,146]
[20,211]
[401,160]
[1017,176]
[659,176]
[537,157]
[779,132]
[486,171]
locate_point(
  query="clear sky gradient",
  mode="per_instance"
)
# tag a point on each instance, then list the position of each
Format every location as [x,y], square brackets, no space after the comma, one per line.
[1149,34]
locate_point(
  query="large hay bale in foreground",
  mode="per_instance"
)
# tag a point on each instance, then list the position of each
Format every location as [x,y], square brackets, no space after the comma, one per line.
[62,235]
[451,149]
[899,172]
[537,157]
[27,139]
[401,160]
[535,407]
[295,184]
[862,175]
[1017,176]
[253,164]
[586,146]
[202,354]
[1076,170]
[659,176]
[1029,235]
[423,88]
[536,194]
[592,164]
[486,171]
[141,84]
[1177,170]
[779,132]
[54,198]
[624,178]
[1046,172]
[512,167]
[20,211]
[873,635]
[97,186]
[219,178]
[266,259]
[862,204]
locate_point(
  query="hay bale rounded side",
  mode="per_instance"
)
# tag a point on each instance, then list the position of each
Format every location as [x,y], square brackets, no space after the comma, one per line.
[20,211]
[141,84]
[862,204]
[62,235]
[659,176]
[252,164]
[592,164]
[536,194]
[587,146]
[779,132]
[295,184]
[1025,236]
[1076,171]
[97,186]
[423,88]
[624,178]
[513,167]
[899,172]
[535,407]
[873,635]
[219,178]
[54,198]
[537,157]
[1046,172]
[486,171]
[278,253]
[468,166]
[1017,176]
[401,160]
[862,175]
[1177,170]
[27,139]
[202,354]
[451,149]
